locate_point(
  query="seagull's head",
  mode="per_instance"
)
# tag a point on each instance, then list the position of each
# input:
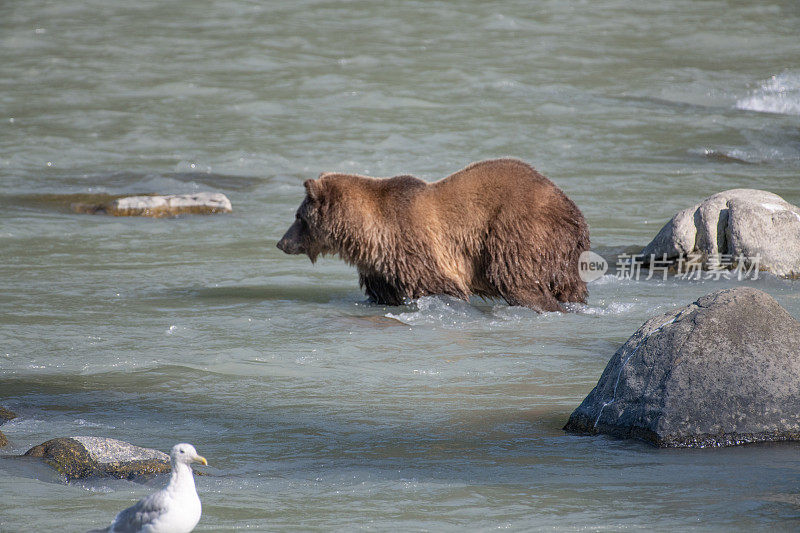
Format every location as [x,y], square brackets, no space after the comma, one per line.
[186,454]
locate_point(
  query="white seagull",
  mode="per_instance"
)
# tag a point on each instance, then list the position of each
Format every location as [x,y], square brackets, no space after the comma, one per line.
[173,509]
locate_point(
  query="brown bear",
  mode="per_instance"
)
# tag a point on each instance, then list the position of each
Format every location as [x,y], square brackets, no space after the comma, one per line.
[497,228]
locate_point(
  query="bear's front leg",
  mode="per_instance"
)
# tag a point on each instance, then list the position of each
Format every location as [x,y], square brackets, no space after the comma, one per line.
[380,290]
[535,298]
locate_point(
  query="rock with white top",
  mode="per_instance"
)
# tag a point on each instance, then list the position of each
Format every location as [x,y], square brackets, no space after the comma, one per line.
[757,228]
[202,203]
[89,457]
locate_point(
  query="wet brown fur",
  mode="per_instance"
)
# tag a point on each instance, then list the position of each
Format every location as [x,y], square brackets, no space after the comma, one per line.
[497,228]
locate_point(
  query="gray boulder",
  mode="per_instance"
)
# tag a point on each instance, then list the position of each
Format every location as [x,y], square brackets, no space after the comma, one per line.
[203,203]
[745,223]
[722,371]
[89,457]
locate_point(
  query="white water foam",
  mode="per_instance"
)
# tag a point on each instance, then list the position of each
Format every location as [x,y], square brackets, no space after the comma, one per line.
[450,313]
[603,309]
[439,310]
[779,94]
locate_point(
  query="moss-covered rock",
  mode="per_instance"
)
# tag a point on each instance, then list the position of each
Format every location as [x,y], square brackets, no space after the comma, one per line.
[6,415]
[3,440]
[89,457]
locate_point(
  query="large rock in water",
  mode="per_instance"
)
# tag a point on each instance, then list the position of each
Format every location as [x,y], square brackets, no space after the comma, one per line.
[203,203]
[722,371]
[740,222]
[87,457]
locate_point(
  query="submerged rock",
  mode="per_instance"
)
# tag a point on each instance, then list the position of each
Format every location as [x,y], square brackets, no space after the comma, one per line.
[722,371]
[203,203]
[87,457]
[757,226]
[5,416]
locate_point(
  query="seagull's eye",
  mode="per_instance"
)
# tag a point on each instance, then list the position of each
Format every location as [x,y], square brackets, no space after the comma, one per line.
[181,451]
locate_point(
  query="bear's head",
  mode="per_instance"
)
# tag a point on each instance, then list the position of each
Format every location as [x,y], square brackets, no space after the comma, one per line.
[308,234]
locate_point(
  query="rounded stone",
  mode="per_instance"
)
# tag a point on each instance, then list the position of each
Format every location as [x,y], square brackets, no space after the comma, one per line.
[758,228]
[722,371]
[88,457]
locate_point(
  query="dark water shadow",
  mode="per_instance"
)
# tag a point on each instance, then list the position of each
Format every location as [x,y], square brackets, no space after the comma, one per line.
[254,293]
[648,102]
[30,468]
[716,156]
[124,180]
[61,202]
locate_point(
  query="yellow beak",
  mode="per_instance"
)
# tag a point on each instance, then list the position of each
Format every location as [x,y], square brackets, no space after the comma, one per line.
[200,459]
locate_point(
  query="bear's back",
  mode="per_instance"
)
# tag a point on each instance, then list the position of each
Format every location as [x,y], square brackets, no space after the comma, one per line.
[494,173]
[499,184]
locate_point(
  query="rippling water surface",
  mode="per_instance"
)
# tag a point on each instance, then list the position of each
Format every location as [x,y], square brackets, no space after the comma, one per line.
[317,410]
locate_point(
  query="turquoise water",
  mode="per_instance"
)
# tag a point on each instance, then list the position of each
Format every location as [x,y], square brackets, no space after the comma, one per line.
[316,410]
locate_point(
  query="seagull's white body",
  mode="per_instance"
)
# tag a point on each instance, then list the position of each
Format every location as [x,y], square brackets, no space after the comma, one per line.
[173,509]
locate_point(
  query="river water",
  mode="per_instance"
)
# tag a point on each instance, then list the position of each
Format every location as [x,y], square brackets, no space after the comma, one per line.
[316,410]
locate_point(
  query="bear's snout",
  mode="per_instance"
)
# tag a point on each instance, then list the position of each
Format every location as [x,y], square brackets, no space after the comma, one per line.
[291,243]
[289,247]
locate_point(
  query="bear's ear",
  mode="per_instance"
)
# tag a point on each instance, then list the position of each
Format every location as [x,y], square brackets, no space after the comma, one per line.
[312,189]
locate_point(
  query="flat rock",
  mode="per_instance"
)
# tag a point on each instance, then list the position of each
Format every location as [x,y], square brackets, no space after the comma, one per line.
[203,203]
[722,371]
[746,223]
[89,457]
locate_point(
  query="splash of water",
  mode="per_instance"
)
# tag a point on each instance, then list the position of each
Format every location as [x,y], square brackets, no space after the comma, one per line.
[440,311]
[778,94]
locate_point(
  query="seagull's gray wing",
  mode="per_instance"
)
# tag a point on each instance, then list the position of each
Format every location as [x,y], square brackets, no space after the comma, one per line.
[135,517]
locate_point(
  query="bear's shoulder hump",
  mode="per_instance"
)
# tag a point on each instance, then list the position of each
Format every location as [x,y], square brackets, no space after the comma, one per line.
[404,183]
